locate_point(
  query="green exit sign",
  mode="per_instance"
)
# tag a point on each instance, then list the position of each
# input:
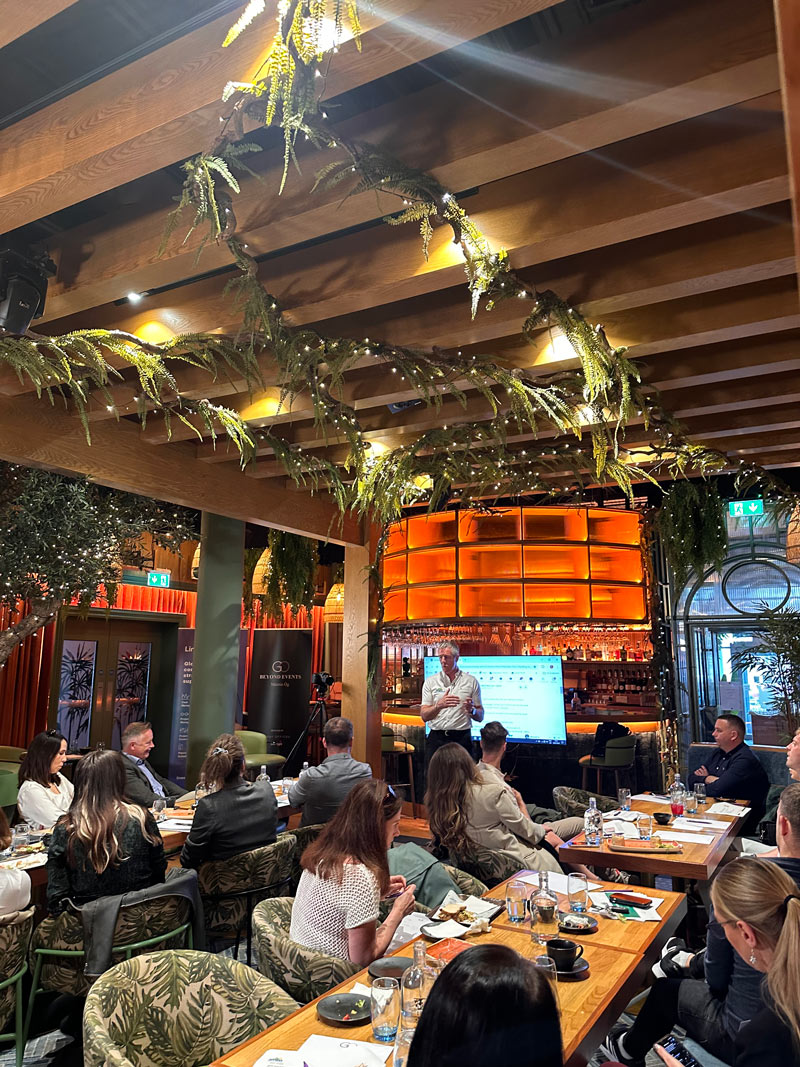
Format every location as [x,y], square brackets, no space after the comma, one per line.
[158,578]
[744,509]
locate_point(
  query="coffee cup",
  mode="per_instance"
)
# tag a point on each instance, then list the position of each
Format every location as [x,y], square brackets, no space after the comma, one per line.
[564,952]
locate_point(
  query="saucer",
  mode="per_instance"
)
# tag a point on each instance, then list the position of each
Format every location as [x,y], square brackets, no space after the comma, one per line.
[579,969]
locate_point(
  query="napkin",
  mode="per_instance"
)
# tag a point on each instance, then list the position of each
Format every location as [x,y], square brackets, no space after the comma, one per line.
[479,908]
[175,824]
[627,816]
[361,989]
[557,882]
[617,826]
[653,798]
[693,839]
[700,825]
[319,1051]
[407,930]
[447,929]
[722,807]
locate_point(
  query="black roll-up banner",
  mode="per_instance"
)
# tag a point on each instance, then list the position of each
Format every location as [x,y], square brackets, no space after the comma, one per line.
[280,687]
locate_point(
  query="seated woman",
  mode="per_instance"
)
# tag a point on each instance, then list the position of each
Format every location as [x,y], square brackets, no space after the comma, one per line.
[345,875]
[103,845]
[489,1006]
[238,816]
[465,809]
[44,794]
[15,886]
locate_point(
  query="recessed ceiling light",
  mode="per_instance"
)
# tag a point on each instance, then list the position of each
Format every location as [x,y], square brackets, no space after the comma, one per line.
[134,298]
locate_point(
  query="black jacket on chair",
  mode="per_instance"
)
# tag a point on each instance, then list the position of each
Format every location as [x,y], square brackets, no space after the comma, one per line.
[138,789]
[237,818]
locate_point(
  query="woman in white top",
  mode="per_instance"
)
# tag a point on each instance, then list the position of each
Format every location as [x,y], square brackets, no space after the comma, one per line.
[345,875]
[15,886]
[44,794]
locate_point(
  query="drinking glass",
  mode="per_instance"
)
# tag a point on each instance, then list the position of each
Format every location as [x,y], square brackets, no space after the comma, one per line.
[200,791]
[159,804]
[700,793]
[544,921]
[21,834]
[644,824]
[385,1008]
[547,966]
[516,901]
[677,799]
[691,803]
[402,1046]
[624,799]
[578,892]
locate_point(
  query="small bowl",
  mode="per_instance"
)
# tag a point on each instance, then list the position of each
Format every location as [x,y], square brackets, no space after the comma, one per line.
[662,818]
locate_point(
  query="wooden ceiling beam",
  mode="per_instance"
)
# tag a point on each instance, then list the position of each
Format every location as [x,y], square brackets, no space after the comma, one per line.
[165,106]
[698,65]
[35,433]
[787,20]
[17,18]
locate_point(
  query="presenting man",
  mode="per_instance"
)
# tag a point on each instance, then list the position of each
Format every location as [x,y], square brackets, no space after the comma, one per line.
[451,700]
[733,770]
[320,790]
[143,784]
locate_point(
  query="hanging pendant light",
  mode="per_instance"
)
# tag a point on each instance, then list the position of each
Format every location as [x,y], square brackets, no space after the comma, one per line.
[260,574]
[793,538]
[195,568]
[334,604]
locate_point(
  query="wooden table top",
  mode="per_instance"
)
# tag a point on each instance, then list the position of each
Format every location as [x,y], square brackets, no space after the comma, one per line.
[584,1004]
[628,936]
[694,861]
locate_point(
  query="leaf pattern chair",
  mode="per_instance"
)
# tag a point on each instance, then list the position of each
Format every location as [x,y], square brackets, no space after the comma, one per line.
[572,802]
[303,972]
[15,933]
[467,884]
[489,866]
[177,1009]
[56,952]
[230,888]
[304,835]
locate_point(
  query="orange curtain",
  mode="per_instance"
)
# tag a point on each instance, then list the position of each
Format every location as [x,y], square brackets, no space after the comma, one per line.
[145,598]
[288,622]
[25,681]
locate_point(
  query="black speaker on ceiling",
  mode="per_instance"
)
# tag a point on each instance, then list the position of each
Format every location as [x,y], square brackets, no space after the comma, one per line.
[23,287]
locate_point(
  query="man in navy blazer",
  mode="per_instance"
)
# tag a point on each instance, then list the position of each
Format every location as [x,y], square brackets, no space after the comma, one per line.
[142,783]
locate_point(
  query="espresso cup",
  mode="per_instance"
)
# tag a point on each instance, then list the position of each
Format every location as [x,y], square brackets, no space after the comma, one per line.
[564,952]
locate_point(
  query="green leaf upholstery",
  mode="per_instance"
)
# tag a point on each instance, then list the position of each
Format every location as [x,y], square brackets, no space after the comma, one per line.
[304,835]
[15,933]
[303,972]
[572,802]
[467,883]
[137,922]
[270,865]
[176,1009]
[490,866]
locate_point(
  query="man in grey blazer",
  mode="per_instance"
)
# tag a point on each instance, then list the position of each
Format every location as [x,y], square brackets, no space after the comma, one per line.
[142,783]
[320,790]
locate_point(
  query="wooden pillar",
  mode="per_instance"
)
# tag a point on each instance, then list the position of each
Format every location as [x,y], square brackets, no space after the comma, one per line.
[787,24]
[216,641]
[360,601]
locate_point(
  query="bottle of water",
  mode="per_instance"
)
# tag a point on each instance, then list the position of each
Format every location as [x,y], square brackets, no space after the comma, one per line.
[263,776]
[415,986]
[593,824]
[304,768]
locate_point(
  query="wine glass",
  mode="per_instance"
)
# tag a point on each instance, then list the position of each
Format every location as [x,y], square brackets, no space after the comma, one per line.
[159,805]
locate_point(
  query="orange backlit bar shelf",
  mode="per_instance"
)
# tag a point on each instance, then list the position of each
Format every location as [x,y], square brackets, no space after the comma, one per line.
[575,564]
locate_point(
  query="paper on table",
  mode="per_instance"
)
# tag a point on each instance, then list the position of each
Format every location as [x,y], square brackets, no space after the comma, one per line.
[652,797]
[361,989]
[642,915]
[617,826]
[627,816]
[693,839]
[557,882]
[319,1051]
[277,1057]
[722,807]
[408,929]
[700,825]
[475,905]
[175,824]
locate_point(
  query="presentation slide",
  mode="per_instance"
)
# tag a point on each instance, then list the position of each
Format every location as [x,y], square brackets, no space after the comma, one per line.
[524,693]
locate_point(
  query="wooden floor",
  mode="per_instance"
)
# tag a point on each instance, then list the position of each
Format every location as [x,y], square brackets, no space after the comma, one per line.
[414,827]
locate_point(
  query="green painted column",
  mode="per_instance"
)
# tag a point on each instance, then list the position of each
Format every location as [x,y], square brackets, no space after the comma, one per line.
[216,639]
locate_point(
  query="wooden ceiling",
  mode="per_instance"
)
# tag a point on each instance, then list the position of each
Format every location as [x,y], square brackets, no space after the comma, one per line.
[636,163]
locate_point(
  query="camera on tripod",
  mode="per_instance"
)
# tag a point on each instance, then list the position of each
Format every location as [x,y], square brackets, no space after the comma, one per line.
[322,683]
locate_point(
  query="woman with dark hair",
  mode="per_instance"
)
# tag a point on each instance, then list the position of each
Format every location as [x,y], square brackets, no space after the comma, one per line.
[238,816]
[15,886]
[103,845]
[465,809]
[489,1006]
[44,793]
[345,875]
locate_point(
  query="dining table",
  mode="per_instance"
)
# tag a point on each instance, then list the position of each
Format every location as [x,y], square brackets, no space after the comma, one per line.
[703,838]
[619,955]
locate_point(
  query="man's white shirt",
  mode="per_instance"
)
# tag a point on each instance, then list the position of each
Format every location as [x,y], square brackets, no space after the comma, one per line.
[464,686]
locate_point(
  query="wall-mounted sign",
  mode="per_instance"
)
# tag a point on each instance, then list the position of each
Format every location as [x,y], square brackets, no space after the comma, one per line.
[744,509]
[160,579]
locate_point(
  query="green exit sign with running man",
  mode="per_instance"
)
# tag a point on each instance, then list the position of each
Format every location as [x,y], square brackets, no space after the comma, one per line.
[745,509]
[160,579]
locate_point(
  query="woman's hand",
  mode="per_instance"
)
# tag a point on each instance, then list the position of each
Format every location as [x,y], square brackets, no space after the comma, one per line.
[405,902]
[667,1057]
[397,884]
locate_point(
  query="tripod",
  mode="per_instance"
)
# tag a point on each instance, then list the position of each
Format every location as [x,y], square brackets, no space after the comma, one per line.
[317,719]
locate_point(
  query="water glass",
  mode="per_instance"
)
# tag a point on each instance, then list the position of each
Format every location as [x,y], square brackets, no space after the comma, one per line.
[402,1047]
[200,791]
[159,805]
[624,799]
[700,793]
[385,1007]
[20,835]
[516,901]
[690,803]
[644,824]
[547,965]
[578,892]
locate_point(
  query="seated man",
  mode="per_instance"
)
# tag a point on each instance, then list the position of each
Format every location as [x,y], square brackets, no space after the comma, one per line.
[733,770]
[320,790]
[711,1011]
[143,784]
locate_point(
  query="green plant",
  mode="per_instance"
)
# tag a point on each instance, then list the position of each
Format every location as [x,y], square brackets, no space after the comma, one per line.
[692,528]
[776,656]
[290,578]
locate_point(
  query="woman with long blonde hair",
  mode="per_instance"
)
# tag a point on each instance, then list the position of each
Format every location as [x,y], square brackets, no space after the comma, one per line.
[758,906]
[103,845]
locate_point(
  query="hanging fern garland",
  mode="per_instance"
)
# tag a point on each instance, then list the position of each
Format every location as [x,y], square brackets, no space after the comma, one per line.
[692,527]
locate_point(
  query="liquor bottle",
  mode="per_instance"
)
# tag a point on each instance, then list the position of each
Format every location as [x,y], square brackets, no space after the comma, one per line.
[304,768]
[570,652]
[415,986]
[263,776]
[593,824]
[544,911]
[623,654]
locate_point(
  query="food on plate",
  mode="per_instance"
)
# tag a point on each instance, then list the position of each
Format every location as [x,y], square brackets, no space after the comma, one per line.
[455,911]
[26,850]
[575,922]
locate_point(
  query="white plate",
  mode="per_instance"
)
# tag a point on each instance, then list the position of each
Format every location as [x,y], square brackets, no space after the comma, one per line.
[24,863]
[436,931]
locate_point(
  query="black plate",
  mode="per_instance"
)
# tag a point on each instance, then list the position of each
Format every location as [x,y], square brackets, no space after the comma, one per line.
[389,967]
[579,969]
[334,1008]
[590,929]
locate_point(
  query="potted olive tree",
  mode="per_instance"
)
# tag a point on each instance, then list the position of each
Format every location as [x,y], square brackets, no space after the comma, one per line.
[776,657]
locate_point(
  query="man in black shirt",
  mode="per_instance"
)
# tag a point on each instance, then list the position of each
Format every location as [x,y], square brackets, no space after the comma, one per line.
[733,770]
